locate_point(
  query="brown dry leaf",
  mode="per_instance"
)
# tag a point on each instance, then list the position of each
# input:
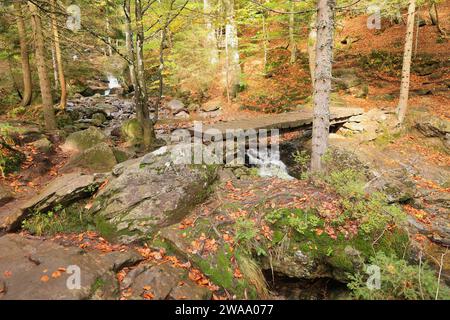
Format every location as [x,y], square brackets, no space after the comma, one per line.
[56,274]
[7,274]
[147,288]
[45,278]
[148,296]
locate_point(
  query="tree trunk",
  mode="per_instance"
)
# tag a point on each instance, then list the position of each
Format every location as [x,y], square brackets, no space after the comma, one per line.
[140,94]
[322,83]
[161,68]
[434,16]
[59,62]
[265,44]
[24,57]
[129,42]
[44,82]
[312,37]
[292,43]
[404,88]
[211,42]
[234,69]
[108,38]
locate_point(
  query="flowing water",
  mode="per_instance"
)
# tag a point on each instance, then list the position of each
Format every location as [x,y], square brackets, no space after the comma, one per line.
[112,83]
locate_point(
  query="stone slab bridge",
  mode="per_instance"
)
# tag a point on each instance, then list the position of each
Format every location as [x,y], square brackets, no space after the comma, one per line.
[284,122]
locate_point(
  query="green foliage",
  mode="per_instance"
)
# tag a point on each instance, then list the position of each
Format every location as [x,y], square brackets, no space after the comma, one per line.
[72,219]
[297,219]
[382,61]
[302,159]
[190,62]
[399,280]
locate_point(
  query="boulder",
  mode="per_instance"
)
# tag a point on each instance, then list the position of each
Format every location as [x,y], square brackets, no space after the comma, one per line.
[433,126]
[82,140]
[132,132]
[98,118]
[182,115]
[210,106]
[38,269]
[5,195]
[175,106]
[354,126]
[43,145]
[99,158]
[64,190]
[147,193]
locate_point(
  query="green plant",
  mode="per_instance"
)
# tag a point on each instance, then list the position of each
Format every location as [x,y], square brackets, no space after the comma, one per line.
[67,219]
[302,160]
[399,280]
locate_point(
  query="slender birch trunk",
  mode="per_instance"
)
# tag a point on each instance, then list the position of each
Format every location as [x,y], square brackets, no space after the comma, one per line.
[406,70]
[233,66]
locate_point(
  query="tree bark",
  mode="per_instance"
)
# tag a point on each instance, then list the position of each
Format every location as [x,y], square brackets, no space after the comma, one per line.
[234,68]
[406,70]
[24,57]
[140,94]
[129,42]
[292,43]
[58,55]
[322,83]
[211,42]
[265,40]
[312,38]
[44,82]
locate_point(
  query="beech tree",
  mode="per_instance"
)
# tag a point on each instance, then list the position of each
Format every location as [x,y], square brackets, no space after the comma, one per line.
[322,81]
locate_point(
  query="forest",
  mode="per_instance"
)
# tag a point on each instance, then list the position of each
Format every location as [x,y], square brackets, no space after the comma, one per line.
[224,150]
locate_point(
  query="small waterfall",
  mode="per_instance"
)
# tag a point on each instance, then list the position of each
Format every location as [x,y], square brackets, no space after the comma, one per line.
[112,83]
[269,165]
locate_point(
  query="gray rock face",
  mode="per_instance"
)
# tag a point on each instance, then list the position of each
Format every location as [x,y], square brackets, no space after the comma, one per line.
[175,106]
[63,190]
[35,269]
[83,140]
[147,193]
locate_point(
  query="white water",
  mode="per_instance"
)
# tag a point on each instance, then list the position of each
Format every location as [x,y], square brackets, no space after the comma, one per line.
[112,83]
[268,165]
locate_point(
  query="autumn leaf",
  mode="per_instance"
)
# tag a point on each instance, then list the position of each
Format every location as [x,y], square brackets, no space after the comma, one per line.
[45,278]
[7,274]
[56,274]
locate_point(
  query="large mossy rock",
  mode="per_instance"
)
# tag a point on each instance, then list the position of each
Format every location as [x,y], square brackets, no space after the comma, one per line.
[147,193]
[99,158]
[82,140]
[132,132]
